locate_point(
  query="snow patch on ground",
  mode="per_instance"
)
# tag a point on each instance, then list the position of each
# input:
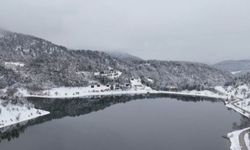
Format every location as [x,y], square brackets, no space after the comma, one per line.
[247,140]
[150,80]
[236,72]
[76,92]
[94,90]
[137,88]
[14,114]
[234,139]
[220,89]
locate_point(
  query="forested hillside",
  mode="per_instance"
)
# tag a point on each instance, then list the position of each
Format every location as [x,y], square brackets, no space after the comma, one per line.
[34,63]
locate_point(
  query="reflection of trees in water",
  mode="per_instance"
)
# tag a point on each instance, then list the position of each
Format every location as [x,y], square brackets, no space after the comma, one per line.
[244,123]
[12,131]
[76,107]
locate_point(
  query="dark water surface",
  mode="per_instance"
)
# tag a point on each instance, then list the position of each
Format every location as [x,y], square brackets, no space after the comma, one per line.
[144,124]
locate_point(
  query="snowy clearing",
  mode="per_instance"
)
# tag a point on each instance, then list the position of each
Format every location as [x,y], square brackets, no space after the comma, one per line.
[236,72]
[14,114]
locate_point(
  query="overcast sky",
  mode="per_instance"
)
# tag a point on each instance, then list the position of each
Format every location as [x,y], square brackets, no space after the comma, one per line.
[191,30]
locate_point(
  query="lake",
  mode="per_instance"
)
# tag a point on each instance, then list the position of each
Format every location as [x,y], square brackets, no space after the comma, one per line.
[121,123]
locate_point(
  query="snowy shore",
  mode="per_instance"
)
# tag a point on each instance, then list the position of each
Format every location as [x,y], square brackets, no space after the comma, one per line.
[136,87]
[240,107]
[237,99]
[205,94]
[80,92]
[84,92]
[235,102]
[239,139]
[14,114]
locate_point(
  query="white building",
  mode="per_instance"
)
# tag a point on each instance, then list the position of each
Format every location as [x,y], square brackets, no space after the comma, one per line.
[13,65]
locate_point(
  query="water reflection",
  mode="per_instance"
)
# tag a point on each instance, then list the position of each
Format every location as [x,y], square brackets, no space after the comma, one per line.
[244,123]
[77,107]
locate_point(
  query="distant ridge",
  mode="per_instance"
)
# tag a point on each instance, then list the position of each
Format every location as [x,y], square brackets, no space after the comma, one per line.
[234,66]
[123,55]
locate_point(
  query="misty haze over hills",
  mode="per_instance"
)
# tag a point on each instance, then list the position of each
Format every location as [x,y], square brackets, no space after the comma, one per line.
[205,31]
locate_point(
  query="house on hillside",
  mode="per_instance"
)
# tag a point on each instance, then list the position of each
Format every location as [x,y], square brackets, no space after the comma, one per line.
[137,84]
[13,65]
[110,73]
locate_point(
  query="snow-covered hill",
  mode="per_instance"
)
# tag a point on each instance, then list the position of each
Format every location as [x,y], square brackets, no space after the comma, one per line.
[47,65]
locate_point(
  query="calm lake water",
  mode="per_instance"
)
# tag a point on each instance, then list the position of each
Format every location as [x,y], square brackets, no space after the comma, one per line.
[142,124]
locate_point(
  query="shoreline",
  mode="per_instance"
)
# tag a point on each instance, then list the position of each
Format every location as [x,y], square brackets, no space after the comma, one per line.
[99,94]
[27,119]
[235,139]
[239,110]
[13,114]
[235,142]
[238,139]
[131,92]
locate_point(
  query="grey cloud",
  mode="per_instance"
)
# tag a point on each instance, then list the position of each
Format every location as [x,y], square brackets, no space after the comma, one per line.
[193,30]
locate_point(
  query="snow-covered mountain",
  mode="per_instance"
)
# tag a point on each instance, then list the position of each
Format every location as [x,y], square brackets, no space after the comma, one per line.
[34,63]
[236,67]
